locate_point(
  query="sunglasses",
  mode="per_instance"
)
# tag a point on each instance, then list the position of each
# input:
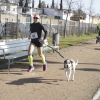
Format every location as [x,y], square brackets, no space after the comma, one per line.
[36,18]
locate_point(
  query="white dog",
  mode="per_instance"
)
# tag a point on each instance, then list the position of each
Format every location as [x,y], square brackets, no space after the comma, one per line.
[69,67]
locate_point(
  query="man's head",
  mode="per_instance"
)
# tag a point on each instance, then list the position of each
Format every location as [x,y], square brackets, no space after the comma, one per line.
[36,18]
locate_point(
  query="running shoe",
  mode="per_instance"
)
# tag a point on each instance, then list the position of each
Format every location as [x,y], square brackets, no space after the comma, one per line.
[44,67]
[30,68]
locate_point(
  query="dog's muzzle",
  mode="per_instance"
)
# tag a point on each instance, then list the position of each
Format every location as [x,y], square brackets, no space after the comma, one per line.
[66,66]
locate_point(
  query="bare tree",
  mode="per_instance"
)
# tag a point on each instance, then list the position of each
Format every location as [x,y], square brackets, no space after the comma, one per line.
[39,6]
[56,5]
[33,3]
[80,7]
[47,5]
[91,11]
[61,5]
[53,4]
[69,5]
[21,3]
[42,4]
[5,1]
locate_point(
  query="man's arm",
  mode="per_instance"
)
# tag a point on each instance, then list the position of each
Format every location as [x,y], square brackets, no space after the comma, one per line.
[45,31]
[29,37]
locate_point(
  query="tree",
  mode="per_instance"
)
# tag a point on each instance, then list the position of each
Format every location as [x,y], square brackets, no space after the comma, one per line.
[56,5]
[25,7]
[33,4]
[47,5]
[53,4]
[79,10]
[6,1]
[39,6]
[91,11]
[69,5]
[43,5]
[21,3]
[26,4]
[61,5]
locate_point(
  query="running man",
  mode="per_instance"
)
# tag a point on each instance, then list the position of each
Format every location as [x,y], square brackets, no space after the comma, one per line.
[36,40]
[98,29]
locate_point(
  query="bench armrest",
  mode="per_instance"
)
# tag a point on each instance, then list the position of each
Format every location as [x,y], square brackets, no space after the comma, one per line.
[3,52]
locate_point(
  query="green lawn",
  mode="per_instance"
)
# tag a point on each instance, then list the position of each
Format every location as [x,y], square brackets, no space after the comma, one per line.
[72,40]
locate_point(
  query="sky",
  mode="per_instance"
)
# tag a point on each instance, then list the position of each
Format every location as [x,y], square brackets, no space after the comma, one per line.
[86,4]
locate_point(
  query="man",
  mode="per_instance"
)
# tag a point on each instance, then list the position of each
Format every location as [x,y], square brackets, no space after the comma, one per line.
[98,29]
[36,40]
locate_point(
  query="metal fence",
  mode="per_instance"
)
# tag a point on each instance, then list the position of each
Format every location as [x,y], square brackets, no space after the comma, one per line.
[17,26]
[72,28]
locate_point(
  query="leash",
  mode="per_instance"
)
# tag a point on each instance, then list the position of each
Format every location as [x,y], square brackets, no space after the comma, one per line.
[55,50]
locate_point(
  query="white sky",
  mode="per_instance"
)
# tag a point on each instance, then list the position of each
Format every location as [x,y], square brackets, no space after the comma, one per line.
[86,3]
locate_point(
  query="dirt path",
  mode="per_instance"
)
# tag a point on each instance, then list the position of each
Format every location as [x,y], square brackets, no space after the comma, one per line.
[52,84]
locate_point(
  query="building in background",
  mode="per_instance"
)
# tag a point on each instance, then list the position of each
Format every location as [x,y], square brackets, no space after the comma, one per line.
[57,13]
[13,8]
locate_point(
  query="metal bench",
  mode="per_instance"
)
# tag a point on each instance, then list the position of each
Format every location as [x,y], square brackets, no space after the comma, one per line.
[18,48]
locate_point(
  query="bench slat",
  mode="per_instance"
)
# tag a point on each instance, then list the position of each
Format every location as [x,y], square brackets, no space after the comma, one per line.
[14,45]
[15,49]
[14,42]
[22,54]
[25,53]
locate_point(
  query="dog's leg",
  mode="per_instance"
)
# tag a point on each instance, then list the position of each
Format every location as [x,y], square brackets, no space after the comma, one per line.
[66,74]
[73,73]
[70,71]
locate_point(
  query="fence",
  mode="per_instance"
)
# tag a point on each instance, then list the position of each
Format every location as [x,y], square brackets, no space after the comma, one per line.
[17,26]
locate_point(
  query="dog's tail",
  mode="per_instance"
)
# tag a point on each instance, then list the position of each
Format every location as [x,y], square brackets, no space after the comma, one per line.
[77,62]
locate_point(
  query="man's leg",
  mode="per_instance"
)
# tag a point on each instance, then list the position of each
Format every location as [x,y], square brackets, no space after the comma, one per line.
[42,57]
[30,58]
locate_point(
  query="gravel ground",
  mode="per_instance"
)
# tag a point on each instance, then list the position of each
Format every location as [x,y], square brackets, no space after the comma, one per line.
[52,84]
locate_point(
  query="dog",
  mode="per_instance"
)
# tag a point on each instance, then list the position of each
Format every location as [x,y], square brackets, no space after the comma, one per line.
[69,67]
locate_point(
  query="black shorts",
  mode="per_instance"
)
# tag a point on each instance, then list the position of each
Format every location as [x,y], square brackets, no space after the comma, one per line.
[37,43]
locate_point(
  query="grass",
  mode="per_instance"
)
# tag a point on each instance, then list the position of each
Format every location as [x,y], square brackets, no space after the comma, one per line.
[72,40]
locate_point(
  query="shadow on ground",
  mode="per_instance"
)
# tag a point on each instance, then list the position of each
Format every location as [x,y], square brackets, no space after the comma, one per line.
[84,44]
[23,66]
[89,63]
[34,80]
[96,48]
[88,69]
[85,69]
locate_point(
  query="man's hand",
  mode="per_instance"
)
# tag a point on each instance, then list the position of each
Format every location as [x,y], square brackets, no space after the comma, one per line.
[45,42]
[29,38]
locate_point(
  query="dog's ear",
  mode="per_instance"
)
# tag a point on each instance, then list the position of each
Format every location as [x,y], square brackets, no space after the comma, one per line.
[71,60]
[65,64]
[65,61]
